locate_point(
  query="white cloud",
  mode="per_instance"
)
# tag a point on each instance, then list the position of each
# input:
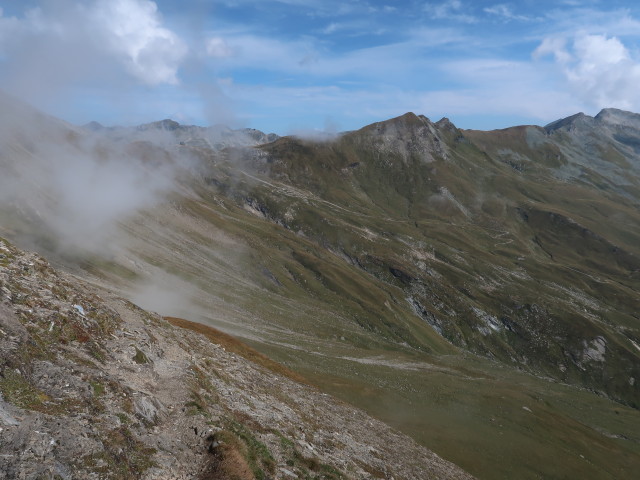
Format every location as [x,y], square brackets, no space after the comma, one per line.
[505,12]
[133,29]
[555,46]
[217,47]
[355,28]
[313,8]
[574,21]
[8,29]
[77,186]
[598,68]
[66,44]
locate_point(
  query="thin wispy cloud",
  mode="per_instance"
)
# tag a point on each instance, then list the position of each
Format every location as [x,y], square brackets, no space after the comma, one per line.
[274,64]
[616,21]
[506,12]
[218,47]
[454,10]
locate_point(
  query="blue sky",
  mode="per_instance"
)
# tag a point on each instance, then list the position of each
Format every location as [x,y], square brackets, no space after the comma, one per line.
[297,65]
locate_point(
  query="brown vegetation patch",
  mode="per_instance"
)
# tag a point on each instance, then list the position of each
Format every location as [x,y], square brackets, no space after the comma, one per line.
[234,345]
[227,463]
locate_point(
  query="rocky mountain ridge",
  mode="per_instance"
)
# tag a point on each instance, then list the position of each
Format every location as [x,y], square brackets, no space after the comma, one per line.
[91,386]
[459,177]
[169,133]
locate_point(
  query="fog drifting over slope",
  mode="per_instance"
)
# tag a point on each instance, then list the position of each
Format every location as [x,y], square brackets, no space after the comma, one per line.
[74,187]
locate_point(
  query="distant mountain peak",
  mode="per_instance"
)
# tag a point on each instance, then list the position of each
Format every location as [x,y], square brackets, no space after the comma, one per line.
[445,124]
[166,124]
[93,126]
[410,118]
[579,119]
[406,120]
[614,116]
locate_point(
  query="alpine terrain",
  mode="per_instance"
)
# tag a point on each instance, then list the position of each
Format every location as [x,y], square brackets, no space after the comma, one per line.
[476,292]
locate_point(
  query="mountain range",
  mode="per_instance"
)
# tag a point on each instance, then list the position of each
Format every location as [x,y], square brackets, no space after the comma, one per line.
[477,290]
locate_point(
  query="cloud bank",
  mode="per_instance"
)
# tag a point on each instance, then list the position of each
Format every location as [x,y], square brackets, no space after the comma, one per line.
[598,68]
[66,191]
[64,45]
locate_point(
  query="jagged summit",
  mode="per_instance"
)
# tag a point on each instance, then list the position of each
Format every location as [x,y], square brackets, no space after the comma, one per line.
[406,121]
[409,136]
[446,124]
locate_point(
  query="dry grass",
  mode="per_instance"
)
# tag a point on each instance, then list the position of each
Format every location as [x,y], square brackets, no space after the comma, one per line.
[228,463]
[234,345]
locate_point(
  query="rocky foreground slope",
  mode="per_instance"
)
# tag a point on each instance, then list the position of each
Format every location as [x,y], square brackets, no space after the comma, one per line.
[91,386]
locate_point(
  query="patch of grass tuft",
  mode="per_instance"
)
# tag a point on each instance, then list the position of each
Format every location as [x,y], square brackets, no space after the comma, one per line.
[140,357]
[17,390]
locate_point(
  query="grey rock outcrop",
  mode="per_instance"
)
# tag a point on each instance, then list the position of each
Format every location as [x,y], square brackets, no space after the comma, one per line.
[118,392]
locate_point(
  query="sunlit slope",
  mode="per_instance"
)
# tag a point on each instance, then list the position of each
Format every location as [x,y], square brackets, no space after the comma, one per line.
[510,262]
[411,268]
[335,249]
[350,331]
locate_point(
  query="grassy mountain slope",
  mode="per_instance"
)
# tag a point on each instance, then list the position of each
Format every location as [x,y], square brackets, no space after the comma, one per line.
[478,290]
[502,261]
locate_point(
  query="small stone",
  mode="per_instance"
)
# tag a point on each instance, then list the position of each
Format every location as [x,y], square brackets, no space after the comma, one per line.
[289,473]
